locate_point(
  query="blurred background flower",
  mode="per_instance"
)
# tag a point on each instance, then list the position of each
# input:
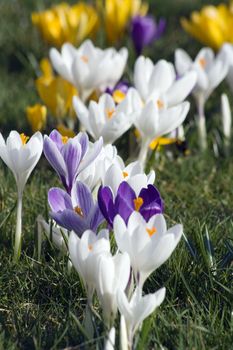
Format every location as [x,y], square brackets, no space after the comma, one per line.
[212,26]
[63,23]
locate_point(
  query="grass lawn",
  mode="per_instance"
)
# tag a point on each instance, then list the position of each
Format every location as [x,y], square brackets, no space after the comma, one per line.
[41,303]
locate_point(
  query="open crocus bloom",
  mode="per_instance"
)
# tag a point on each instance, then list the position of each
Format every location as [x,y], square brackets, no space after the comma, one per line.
[84,254]
[76,212]
[158,82]
[148,242]
[69,157]
[148,202]
[138,308]
[21,155]
[210,70]
[133,174]
[112,274]
[105,118]
[89,68]
[96,171]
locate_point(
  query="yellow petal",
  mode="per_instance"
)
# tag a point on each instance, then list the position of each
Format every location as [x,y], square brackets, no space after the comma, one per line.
[36,116]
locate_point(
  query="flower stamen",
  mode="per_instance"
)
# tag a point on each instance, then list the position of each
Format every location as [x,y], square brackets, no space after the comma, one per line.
[24,138]
[138,202]
[125,174]
[160,104]
[110,112]
[78,210]
[85,59]
[118,96]
[151,231]
[202,62]
[64,139]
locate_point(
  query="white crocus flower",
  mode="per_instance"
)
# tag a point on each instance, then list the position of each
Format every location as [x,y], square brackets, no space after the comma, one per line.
[112,274]
[158,82]
[84,254]
[94,174]
[153,120]
[110,341]
[89,67]
[149,244]
[138,309]
[105,118]
[133,174]
[21,157]
[226,120]
[210,71]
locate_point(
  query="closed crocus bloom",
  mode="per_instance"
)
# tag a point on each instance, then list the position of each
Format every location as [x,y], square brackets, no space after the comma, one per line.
[145,30]
[226,55]
[212,26]
[36,116]
[84,254]
[158,82]
[55,92]
[69,156]
[89,68]
[148,242]
[76,212]
[106,119]
[138,309]
[63,23]
[117,14]
[210,72]
[226,120]
[112,274]
[21,155]
[148,202]
[133,174]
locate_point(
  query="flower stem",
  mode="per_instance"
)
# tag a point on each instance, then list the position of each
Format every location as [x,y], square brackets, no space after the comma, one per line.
[201,123]
[143,152]
[18,231]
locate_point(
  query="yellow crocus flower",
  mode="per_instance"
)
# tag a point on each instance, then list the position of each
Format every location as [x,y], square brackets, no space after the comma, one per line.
[36,116]
[212,26]
[63,23]
[55,92]
[117,14]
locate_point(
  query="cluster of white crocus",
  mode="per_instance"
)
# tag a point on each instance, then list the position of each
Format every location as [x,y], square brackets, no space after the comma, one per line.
[89,68]
[143,247]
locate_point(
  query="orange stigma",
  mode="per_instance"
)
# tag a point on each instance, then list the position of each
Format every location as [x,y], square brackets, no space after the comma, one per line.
[90,247]
[151,231]
[24,138]
[202,62]
[138,202]
[160,104]
[110,112]
[84,59]
[64,139]
[79,211]
[125,174]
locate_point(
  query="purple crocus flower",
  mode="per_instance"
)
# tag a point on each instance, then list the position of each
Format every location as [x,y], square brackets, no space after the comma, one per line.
[69,156]
[148,203]
[77,211]
[144,30]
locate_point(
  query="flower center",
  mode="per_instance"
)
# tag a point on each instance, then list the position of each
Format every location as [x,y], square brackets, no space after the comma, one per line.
[84,59]
[138,202]
[118,96]
[90,247]
[160,104]
[78,210]
[24,138]
[110,112]
[202,62]
[125,174]
[64,139]
[151,231]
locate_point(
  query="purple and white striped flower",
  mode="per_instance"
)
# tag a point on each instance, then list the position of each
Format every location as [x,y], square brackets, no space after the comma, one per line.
[69,156]
[76,212]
